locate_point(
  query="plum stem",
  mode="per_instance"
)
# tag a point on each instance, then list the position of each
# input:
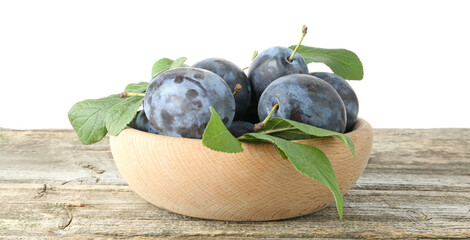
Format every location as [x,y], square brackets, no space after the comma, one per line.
[237,89]
[129,94]
[261,125]
[304,32]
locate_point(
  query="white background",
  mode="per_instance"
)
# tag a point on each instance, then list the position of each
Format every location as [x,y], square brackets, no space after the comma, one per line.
[55,53]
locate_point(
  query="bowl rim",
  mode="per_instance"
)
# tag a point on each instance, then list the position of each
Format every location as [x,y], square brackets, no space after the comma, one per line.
[360,126]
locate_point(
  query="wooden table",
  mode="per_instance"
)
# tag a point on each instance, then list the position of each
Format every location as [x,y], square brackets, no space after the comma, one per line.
[416,185]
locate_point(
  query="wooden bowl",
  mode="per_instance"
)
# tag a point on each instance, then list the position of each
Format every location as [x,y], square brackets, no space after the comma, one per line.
[182,176]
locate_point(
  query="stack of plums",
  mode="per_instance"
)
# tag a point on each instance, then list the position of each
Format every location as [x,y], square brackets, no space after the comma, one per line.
[177,100]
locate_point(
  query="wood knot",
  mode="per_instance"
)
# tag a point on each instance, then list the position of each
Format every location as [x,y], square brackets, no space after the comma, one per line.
[41,192]
[65,218]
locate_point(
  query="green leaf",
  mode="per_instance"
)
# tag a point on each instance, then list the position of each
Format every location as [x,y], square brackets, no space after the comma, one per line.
[292,130]
[161,66]
[122,113]
[93,118]
[140,87]
[254,55]
[88,118]
[341,61]
[217,137]
[308,160]
[178,62]
[165,64]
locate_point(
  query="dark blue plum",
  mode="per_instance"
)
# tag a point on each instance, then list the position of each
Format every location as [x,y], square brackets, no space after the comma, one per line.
[270,65]
[251,115]
[346,93]
[177,101]
[238,128]
[142,123]
[232,75]
[307,99]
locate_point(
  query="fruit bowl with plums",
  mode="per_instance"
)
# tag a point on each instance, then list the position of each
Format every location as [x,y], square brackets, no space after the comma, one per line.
[213,142]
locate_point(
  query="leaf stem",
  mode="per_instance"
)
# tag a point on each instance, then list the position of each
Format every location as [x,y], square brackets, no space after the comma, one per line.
[278,130]
[252,58]
[129,94]
[304,32]
[261,125]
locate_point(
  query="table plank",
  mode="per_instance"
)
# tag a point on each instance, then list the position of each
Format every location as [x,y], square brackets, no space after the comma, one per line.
[55,157]
[417,184]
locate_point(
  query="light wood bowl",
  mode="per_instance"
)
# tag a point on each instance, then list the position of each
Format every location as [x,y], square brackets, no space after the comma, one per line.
[182,176]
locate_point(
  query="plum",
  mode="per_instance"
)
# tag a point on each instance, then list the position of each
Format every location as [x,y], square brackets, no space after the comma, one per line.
[304,98]
[177,101]
[346,93]
[142,123]
[270,65]
[232,75]
[238,128]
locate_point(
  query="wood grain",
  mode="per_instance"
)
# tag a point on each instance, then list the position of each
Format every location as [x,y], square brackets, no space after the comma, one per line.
[416,185]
